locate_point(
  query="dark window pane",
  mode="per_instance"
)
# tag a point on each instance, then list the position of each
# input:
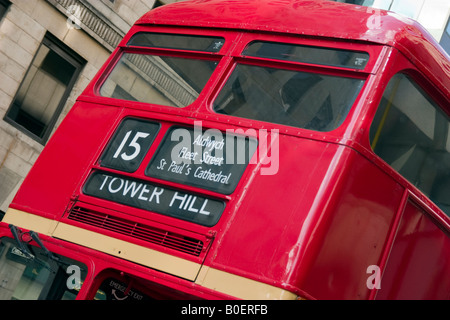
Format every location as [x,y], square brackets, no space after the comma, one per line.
[411,133]
[43,91]
[4,4]
[307,54]
[174,41]
[28,273]
[298,99]
[57,67]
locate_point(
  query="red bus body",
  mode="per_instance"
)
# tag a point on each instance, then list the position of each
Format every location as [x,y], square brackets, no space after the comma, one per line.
[312,230]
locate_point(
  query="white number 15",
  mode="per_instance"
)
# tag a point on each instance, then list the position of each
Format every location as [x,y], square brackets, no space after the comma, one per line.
[134,144]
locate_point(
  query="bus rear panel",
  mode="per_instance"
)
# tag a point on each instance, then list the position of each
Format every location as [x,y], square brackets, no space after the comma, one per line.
[276,158]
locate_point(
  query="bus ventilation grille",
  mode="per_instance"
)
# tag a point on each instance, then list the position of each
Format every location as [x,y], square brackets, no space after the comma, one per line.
[137,230]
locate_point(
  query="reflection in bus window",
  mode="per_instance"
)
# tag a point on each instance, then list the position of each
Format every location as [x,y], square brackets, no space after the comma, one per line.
[308,54]
[177,41]
[412,134]
[33,275]
[169,81]
[299,99]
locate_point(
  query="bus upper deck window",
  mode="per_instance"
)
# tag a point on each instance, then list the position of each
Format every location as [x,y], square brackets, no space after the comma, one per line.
[411,133]
[177,41]
[307,54]
[160,79]
[299,99]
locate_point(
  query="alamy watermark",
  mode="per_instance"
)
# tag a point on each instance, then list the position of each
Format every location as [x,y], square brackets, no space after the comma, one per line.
[74,20]
[216,148]
[374,280]
[374,21]
[73,282]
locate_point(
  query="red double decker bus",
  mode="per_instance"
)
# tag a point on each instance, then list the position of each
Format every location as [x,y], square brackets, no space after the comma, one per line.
[245,150]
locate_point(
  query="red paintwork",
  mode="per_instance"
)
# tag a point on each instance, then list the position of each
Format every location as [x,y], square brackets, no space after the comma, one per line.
[423,244]
[333,208]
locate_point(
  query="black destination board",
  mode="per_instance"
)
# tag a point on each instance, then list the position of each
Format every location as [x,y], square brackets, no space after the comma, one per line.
[209,159]
[147,196]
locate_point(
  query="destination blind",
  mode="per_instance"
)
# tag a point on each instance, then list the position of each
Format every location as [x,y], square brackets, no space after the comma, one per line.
[148,196]
[206,159]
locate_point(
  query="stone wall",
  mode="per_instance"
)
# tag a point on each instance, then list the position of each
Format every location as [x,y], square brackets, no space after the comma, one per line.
[101,25]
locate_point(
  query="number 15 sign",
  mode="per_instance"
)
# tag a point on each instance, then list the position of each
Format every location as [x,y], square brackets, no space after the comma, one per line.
[129,145]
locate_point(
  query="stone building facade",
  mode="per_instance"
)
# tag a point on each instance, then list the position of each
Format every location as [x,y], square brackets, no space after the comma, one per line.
[49,51]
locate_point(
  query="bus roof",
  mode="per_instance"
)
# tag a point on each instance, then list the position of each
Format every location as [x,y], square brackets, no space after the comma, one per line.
[321,18]
[314,18]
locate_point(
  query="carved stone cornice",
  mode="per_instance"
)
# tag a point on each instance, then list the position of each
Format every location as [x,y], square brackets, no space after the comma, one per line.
[80,15]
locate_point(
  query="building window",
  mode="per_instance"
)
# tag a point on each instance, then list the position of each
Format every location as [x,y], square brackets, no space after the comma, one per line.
[110,2]
[379,4]
[45,89]
[445,40]
[4,4]
[158,4]
[412,134]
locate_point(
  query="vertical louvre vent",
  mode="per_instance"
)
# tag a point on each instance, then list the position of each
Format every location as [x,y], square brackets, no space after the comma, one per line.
[137,230]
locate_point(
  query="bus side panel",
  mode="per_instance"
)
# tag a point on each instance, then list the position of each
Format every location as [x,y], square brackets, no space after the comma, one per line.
[326,221]
[353,235]
[53,179]
[266,223]
[419,264]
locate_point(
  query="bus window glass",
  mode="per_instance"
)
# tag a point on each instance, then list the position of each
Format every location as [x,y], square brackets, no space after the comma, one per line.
[299,99]
[169,81]
[175,41]
[411,133]
[33,275]
[308,54]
